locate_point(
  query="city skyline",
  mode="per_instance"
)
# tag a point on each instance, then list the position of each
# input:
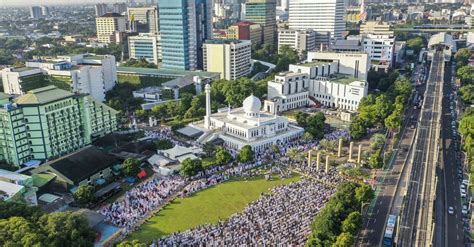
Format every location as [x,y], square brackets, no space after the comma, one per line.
[26,3]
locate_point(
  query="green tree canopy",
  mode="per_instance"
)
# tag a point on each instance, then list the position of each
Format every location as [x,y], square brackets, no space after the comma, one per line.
[245,154]
[352,223]
[190,167]
[364,194]
[467,93]
[131,167]
[345,239]
[164,144]
[375,160]
[84,194]
[462,57]
[466,74]
[222,156]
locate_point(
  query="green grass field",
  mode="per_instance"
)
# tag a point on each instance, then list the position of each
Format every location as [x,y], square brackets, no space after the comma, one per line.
[207,206]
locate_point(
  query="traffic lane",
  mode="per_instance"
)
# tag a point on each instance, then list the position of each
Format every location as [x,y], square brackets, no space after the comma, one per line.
[454,221]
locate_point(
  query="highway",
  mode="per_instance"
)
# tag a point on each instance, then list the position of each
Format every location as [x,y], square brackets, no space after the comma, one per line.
[453,224]
[416,219]
[389,184]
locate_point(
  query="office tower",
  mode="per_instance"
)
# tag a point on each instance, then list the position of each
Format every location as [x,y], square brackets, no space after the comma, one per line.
[263,12]
[108,25]
[119,8]
[184,26]
[50,122]
[35,12]
[320,16]
[44,11]
[246,30]
[144,20]
[378,41]
[144,46]
[231,58]
[101,9]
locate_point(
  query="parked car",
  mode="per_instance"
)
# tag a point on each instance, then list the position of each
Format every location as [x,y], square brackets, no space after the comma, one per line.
[450,210]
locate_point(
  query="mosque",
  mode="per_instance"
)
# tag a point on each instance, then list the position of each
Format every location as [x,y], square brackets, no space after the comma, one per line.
[247,125]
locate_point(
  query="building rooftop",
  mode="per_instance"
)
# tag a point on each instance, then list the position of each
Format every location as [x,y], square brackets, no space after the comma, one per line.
[313,64]
[82,164]
[23,69]
[112,15]
[12,175]
[10,189]
[43,95]
[226,41]
[343,79]
[165,72]
[244,23]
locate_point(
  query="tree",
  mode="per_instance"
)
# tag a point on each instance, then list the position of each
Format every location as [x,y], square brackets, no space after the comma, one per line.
[382,107]
[394,121]
[467,93]
[66,229]
[164,144]
[462,57]
[18,231]
[375,160]
[84,194]
[286,56]
[209,148]
[377,141]
[315,125]
[352,223]
[345,239]
[403,87]
[358,128]
[131,167]
[364,194]
[222,156]
[466,74]
[191,167]
[134,243]
[276,149]
[301,119]
[143,63]
[245,154]
[307,136]
[416,44]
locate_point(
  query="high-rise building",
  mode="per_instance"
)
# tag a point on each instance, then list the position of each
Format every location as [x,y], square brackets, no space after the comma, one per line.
[144,46]
[93,75]
[45,11]
[49,122]
[231,58]
[35,12]
[246,30]
[107,25]
[144,20]
[119,8]
[320,16]
[184,26]
[378,41]
[263,12]
[301,40]
[101,9]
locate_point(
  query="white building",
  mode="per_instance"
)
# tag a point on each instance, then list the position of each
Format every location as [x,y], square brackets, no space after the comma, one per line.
[94,75]
[231,58]
[145,46]
[247,125]
[356,64]
[380,49]
[327,82]
[300,40]
[321,16]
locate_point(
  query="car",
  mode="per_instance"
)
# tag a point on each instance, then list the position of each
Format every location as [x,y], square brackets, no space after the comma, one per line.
[465,182]
[465,209]
[463,193]
[450,210]
[463,186]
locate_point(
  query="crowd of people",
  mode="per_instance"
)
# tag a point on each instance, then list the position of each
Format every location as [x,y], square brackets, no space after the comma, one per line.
[281,217]
[142,200]
[338,134]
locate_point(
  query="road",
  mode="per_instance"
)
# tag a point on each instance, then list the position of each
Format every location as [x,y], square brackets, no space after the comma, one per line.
[389,180]
[417,213]
[453,224]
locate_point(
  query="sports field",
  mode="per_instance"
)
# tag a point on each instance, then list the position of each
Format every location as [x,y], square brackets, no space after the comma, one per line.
[207,206]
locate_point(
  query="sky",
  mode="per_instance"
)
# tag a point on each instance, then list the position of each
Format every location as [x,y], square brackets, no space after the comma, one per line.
[51,2]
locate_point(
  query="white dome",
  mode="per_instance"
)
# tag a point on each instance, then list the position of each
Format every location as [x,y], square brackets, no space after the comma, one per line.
[252,104]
